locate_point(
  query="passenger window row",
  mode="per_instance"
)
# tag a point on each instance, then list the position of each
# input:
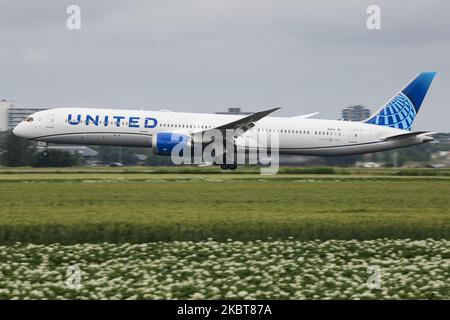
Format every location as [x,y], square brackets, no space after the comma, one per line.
[283,131]
[194,126]
[292,131]
[187,126]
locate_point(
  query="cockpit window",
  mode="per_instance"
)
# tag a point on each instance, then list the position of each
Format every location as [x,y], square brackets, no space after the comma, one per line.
[29,119]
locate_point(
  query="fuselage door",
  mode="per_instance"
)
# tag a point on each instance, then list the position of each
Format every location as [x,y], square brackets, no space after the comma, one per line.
[353,136]
[50,121]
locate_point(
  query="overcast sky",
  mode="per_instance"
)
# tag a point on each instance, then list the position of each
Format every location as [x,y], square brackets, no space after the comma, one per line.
[205,56]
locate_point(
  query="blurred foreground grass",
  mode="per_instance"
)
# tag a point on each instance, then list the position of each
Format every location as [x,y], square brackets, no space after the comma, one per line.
[138,207]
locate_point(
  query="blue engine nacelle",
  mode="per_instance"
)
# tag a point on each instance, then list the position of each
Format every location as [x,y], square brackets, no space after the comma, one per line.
[164,142]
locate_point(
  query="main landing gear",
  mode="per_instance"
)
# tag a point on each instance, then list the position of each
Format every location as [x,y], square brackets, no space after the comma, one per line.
[233,164]
[226,166]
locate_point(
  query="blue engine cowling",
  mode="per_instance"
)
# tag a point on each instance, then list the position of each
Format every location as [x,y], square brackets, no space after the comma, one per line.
[164,142]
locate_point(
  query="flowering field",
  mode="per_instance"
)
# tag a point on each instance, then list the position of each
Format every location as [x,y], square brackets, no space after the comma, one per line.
[288,269]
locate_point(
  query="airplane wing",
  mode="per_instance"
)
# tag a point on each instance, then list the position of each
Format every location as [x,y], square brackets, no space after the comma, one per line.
[408,135]
[243,124]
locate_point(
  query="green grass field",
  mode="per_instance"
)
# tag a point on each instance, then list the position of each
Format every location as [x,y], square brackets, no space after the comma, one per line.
[136,206]
[135,233]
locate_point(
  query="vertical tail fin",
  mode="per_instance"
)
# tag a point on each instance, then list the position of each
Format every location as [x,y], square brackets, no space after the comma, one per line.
[402,109]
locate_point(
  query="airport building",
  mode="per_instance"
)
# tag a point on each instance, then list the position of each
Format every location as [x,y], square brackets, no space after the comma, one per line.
[10,115]
[355,113]
[4,106]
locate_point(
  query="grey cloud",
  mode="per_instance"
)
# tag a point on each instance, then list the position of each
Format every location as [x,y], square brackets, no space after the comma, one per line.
[206,55]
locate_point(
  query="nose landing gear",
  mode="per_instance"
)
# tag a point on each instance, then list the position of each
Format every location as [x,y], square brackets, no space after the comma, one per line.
[45,152]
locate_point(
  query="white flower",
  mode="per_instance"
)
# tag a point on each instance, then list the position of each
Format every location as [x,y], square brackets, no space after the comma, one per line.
[198,296]
[242,293]
[216,270]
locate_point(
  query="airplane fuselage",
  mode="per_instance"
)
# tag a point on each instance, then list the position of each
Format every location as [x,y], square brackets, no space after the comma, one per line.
[297,135]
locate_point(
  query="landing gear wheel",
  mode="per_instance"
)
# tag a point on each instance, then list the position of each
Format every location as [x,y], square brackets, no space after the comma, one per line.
[233,164]
[45,153]
[225,166]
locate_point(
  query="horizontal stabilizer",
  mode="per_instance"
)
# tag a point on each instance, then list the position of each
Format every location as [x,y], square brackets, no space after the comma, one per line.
[407,135]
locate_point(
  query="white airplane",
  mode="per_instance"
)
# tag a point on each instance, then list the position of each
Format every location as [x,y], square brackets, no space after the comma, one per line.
[389,128]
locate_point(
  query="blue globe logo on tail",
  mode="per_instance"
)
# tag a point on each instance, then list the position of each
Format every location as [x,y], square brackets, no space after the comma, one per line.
[398,113]
[401,110]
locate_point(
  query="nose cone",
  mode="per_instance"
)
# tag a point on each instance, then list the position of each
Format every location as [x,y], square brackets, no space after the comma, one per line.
[16,130]
[21,131]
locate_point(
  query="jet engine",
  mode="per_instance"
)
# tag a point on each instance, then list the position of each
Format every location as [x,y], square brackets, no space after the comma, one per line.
[164,142]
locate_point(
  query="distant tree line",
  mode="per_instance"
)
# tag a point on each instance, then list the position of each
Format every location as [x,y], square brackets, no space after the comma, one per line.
[129,156]
[15,152]
[18,152]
